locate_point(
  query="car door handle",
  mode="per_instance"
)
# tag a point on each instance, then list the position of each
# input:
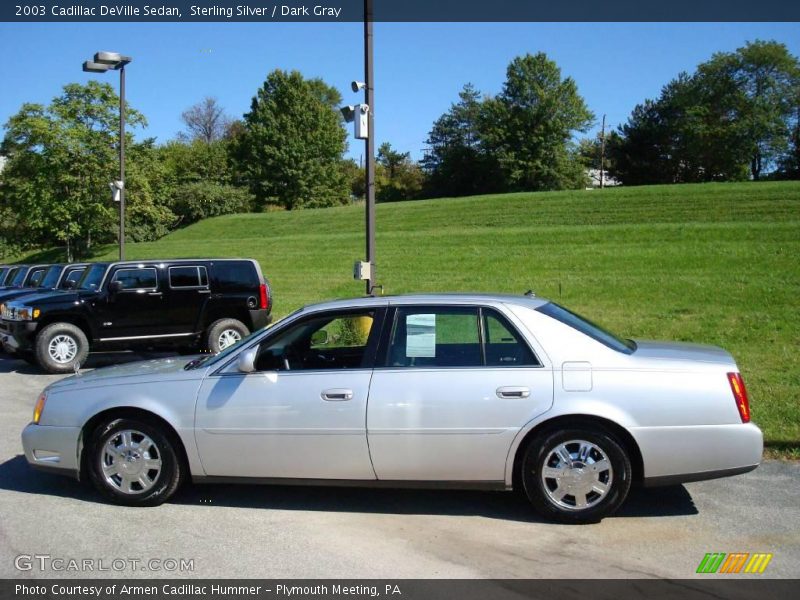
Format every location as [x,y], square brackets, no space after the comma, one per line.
[513,392]
[337,395]
[155,294]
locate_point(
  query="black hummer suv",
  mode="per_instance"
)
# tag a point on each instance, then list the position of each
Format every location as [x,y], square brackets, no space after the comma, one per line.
[189,304]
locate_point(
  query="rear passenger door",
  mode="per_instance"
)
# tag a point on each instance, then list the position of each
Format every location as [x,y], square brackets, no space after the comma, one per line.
[455,386]
[188,293]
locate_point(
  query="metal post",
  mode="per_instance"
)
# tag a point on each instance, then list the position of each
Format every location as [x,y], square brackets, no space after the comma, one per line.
[603,155]
[370,145]
[122,162]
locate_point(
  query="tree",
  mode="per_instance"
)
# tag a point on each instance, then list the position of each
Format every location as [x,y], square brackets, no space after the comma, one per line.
[456,163]
[529,127]
[762,78]
[60,160]
[205,121]
[397,176]
[290,150]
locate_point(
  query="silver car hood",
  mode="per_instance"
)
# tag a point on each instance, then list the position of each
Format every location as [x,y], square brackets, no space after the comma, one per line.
[145,370]
[682,351]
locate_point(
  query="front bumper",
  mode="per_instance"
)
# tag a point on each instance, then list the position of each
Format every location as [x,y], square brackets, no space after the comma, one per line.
[17,335]
[679,454]
[53,449]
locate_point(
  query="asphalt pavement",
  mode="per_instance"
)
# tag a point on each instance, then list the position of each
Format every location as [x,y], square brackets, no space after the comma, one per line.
[52,526]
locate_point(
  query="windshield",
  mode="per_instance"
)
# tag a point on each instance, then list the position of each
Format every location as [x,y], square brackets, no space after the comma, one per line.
[19,278]
[92,277]
[585,326]
[51,277]
[210,359]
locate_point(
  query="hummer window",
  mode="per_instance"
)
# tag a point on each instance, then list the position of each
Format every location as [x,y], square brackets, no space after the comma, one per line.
[36,277]
[92,277]
[137,279]
[51,278]
[188,277]
[74,275]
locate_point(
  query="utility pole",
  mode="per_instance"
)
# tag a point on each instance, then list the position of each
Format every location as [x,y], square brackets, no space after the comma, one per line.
[603,154]
[370,145]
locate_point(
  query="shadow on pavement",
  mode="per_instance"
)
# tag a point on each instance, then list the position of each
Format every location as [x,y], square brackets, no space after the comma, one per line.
[17,476]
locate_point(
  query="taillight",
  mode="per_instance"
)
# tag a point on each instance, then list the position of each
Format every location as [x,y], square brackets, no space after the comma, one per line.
[740,395]
[264,297]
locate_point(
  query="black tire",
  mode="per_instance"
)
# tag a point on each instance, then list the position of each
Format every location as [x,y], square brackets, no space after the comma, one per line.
[542,492]
[161,484]
[47,335]
[216,330]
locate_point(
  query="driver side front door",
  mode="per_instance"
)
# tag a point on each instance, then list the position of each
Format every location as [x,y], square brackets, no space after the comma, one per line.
[302,414]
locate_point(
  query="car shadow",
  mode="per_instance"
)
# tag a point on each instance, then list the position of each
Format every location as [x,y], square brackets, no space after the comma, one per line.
[17,476]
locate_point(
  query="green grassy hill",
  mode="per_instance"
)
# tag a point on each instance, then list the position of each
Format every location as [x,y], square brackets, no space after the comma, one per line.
[715,263]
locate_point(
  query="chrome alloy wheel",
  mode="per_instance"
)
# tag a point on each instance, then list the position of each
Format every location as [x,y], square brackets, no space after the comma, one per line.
[229,337]
[131,462]
[62,348]
[577,475]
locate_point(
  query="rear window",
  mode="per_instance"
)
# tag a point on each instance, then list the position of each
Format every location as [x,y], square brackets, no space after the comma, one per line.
[235,276]
[585,326]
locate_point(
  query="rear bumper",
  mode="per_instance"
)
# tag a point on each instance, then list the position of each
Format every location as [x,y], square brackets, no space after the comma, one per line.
[693,453]
[52,449]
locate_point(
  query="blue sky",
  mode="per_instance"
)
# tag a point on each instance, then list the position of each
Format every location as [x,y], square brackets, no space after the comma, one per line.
[419,67]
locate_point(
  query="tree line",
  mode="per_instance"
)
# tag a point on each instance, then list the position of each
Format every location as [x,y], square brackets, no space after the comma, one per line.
[736,117]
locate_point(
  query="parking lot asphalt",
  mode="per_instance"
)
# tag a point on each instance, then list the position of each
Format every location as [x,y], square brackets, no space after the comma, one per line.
[302,532]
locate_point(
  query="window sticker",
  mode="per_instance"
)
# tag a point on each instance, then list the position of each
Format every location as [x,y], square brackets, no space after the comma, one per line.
[421,336]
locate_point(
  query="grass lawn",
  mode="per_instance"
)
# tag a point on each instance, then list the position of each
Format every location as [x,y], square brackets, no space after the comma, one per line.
[713,263]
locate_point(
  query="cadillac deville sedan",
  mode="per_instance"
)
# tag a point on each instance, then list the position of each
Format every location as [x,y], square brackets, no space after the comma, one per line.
[465,391]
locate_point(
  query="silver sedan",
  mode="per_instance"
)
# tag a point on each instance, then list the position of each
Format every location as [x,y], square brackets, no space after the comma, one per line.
[466,391]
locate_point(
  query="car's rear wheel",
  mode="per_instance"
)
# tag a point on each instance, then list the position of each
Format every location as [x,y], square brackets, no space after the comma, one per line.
[225,333]
[134,463]
[60,347]
[576,475]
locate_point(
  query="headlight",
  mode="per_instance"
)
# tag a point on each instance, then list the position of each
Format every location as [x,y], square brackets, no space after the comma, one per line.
[20,313]
[37,410]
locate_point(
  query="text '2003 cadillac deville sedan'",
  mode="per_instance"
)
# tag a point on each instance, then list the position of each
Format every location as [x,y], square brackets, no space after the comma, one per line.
[460,390]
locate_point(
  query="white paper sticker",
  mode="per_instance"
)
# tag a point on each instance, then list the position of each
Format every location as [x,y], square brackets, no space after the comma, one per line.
[421,336]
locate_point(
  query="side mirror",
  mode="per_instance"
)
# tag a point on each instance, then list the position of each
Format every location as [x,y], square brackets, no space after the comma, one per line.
[247,360]
[69,284]
[319,338]
[115,287]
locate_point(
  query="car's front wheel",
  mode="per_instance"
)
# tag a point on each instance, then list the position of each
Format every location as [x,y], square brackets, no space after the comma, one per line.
[576,475]
[60,347]
[133,462]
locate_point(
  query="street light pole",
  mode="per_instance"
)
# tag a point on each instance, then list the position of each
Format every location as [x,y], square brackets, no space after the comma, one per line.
[122,162]
[370,145]
[104,61]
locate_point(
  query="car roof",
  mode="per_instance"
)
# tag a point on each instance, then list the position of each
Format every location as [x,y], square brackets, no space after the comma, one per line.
[442,298]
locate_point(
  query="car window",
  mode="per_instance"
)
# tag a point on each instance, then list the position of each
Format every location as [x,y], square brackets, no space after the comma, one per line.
[322,342]
[10,276]
[188,276]
[503,345]
[92,277]
[235,276]
[35,277]
[74,275]
[3,273]
[50,278]
[585,326]
[19,277]
[145,278]
[435,337]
